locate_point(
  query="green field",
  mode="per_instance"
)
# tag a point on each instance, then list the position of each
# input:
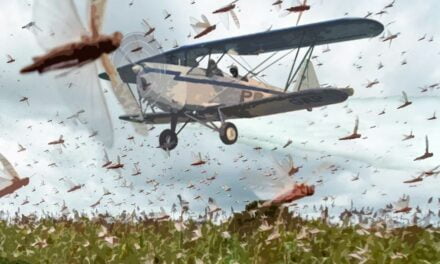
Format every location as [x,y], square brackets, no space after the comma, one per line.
[270,236]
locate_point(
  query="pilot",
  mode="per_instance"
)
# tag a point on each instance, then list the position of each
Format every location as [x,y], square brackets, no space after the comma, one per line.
[234,71]
[213,69]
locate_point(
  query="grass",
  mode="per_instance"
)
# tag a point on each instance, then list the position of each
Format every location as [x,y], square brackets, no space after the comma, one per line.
[265,236]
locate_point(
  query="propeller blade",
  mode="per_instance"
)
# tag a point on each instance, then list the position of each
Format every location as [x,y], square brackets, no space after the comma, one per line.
[96,19]
[123,94]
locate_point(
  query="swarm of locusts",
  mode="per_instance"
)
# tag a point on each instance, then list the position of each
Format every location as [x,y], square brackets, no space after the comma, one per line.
[260,234]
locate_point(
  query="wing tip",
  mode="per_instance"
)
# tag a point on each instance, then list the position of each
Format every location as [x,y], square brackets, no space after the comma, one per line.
[376,27]
[348,91]
[131,118]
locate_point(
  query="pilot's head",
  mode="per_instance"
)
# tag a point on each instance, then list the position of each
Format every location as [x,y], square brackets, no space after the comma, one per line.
[211,63]
[234,71]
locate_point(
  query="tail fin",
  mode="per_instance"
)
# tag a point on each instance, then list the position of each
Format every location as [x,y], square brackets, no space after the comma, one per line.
[309,78]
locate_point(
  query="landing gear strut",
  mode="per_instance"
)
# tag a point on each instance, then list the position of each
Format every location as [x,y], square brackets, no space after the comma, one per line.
[228,133]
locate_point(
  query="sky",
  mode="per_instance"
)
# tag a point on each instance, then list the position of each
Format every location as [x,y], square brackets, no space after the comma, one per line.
[381,158]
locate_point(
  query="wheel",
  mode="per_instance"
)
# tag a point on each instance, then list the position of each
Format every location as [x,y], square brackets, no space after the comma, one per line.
[228,133]
[168,140]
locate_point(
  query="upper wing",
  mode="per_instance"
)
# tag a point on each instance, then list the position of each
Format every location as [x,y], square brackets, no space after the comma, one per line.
[405,97]
[106,159]
[8,169]
[289,38]
[427,144]
[356,125]
[205,20]
[146,24]
[59,22]
[275,40]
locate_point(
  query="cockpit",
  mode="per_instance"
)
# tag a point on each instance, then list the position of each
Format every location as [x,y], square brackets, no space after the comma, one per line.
[213,70]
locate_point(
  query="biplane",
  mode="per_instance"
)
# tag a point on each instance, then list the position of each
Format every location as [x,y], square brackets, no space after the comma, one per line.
[172,87]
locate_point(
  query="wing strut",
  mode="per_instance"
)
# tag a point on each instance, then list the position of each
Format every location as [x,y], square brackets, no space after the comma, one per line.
[209,125]
[221,57]
[270,65]
[246,68]
[197,64]
[308,55]
[291,69]
[293,65]
[305,68]
[258,66]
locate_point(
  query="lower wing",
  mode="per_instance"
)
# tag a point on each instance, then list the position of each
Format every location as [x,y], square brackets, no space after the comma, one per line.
[287,102]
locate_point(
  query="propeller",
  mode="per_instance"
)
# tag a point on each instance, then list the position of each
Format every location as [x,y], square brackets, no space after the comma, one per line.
[122,92]
[154,86]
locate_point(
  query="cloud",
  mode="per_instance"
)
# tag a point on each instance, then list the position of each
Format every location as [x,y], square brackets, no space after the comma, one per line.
[382,159]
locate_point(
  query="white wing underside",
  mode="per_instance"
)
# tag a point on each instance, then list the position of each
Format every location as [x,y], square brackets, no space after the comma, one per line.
[235,18]
[4,183]
[271,188]
[69,183]
[225,17]
[106,159]
[7,173]
[402,203]
[267,187]
[199,26]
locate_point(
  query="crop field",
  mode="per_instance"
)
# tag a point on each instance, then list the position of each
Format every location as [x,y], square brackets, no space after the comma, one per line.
[259,236]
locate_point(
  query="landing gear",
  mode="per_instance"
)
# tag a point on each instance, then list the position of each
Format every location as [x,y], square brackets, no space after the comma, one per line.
[228,133]
[168,140]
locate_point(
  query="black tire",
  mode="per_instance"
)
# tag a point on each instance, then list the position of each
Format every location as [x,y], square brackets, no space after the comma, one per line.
[168,140]
[228,133]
